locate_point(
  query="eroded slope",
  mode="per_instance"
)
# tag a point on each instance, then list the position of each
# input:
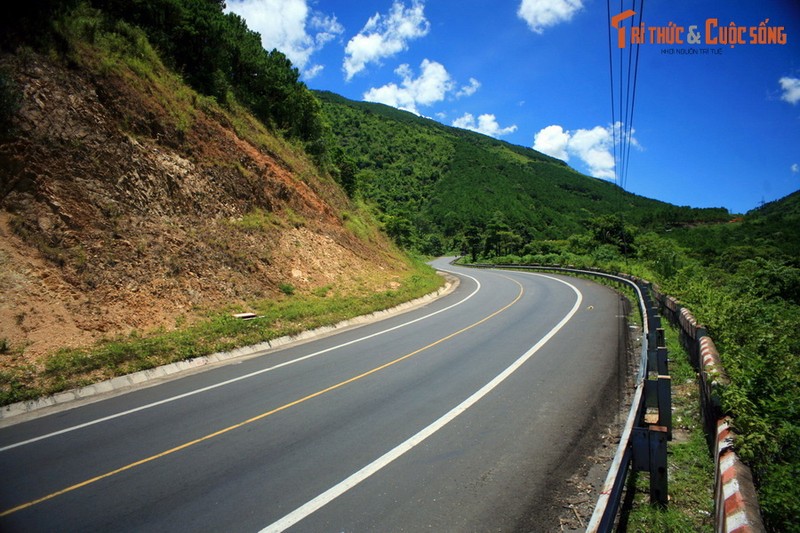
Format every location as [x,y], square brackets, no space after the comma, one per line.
[129,202]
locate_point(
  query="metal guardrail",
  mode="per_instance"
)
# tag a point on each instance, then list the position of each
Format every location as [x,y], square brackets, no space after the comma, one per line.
[643,443]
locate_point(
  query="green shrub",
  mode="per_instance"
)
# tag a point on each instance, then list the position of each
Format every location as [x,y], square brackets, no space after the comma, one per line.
[286,288]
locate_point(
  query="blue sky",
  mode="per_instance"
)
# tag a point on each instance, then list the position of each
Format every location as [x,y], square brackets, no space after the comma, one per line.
[713,125]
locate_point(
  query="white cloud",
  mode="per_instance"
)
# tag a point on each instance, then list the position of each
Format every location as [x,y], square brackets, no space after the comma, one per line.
[430,87]
[795,168]
[486,124]
[313,72]
[469,90]
[592,147]
[553,141]
[540,14]
[791,89]
[328,28]
[291,27]
[385,36]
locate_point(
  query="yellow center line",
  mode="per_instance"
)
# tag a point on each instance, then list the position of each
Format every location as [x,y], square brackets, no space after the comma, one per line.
[262,415]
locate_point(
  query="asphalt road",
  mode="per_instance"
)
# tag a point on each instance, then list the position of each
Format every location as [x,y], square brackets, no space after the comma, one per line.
[458,416]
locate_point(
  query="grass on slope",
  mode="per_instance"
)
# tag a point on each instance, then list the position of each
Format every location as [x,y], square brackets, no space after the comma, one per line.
[71,368]
[691,469]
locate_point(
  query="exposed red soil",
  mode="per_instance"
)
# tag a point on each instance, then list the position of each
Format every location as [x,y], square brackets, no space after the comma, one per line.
[115,216]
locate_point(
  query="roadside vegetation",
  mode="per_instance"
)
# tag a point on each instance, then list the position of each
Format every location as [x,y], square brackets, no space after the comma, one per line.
[690,466]
[742,281]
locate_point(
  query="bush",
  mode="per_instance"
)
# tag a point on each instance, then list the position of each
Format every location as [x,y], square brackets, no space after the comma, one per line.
[755,332]
[286,288]
[606,253]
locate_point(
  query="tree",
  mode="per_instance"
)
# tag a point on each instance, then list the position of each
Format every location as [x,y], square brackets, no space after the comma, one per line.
[498,235]
[663,255]
[432,246]
[508,242]
[345,172]
[217,53]
[472,238]
[400,229]
[610,229]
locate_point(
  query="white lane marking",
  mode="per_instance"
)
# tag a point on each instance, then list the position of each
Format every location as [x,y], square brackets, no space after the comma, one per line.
[240,378]
[337,490]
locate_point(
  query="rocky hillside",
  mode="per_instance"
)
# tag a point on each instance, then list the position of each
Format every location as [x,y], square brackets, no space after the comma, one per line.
[130,202]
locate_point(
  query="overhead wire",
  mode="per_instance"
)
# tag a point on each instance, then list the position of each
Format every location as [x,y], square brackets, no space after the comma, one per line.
[622,115]
[622,106]
[626,119]
[611,77]
[629,120]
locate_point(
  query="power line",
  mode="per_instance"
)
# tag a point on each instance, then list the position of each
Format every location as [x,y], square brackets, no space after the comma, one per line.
[622,133]
[611,77]
[629,122]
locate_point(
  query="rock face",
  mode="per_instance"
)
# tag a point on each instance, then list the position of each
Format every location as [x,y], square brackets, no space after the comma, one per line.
[127,204]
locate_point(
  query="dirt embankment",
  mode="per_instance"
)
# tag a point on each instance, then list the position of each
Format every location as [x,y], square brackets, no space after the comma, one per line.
[119,213]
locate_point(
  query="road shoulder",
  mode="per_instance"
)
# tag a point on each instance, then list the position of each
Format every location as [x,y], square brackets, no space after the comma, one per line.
[23,411]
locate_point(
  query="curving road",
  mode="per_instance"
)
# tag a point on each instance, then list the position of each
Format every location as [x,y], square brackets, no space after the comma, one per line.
[462,415]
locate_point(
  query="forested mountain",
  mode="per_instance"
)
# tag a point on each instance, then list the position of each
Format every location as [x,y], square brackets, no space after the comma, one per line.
[767,231]
[438,187]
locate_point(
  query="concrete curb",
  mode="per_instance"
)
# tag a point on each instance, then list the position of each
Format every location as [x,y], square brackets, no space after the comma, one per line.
[713,381]
[174,370]
[689,323]
[736,502]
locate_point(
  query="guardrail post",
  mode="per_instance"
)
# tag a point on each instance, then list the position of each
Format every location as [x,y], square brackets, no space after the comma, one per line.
[643,445]
[650,455]
[658,436]
[653,430]
[656,349]
[641,449]
[652,365]
[664,386]
[665,405]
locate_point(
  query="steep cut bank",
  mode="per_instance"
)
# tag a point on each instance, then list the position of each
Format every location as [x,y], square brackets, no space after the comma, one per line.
[129,202]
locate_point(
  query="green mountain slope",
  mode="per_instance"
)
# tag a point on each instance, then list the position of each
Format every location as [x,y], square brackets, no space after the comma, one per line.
[770,231]
[777,223]
[432,182]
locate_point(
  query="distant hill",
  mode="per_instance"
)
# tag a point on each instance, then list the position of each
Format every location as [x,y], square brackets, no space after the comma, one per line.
[786,209]
[770,231]
[432,181]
